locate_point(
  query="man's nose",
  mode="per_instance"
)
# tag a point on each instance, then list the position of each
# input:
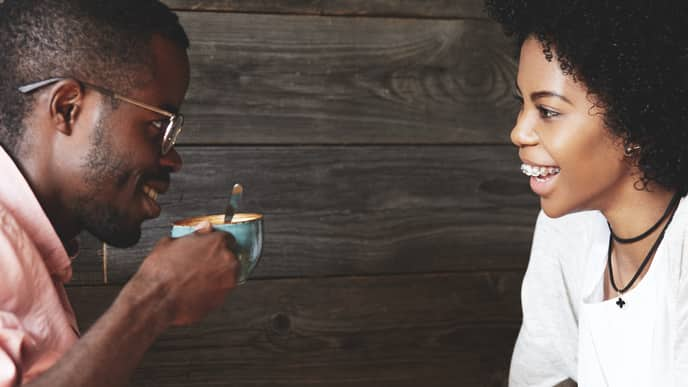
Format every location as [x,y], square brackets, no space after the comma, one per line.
[171,160]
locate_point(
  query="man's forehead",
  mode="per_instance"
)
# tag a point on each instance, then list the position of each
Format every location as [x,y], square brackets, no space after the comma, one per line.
[166,79]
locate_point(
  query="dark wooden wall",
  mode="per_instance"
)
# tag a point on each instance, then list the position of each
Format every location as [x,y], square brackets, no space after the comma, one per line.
[374,136]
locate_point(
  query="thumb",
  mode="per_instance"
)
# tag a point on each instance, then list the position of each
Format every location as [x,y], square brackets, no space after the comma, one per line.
[203,228]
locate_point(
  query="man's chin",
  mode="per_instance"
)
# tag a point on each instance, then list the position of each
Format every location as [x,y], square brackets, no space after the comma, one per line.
[121,239]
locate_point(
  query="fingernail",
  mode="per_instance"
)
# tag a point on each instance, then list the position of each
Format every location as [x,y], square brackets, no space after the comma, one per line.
[204,225]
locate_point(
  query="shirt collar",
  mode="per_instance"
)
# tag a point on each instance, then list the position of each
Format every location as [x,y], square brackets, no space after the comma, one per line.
[17,196]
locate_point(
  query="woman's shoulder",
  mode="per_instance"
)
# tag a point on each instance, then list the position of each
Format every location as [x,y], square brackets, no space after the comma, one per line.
[677,241]
[572,226]
[675,246]
[568,243]
[571,244]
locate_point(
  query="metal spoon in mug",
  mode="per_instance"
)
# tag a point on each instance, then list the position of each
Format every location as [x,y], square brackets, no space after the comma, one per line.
[233,205]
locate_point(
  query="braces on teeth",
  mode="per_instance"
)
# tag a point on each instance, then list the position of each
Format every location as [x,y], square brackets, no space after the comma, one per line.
[538,171]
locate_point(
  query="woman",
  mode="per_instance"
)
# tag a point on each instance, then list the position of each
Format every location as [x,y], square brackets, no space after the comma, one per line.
[603,135]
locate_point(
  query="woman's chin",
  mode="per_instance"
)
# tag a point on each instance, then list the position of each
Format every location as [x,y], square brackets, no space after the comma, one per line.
[553,209]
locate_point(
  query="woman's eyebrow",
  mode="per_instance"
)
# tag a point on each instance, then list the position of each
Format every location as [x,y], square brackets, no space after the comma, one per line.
[545,94]
[542,94]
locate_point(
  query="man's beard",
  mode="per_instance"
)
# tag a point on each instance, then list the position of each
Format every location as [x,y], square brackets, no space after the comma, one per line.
[107,170]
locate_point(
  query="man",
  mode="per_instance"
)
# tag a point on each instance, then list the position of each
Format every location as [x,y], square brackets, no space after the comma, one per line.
[89,97]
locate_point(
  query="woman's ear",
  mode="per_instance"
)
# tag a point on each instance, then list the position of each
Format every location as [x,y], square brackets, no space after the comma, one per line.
[65,101]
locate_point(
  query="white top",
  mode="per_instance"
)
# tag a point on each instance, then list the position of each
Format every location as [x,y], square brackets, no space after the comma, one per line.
[569,332]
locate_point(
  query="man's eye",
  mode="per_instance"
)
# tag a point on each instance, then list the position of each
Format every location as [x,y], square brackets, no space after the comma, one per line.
[158,124]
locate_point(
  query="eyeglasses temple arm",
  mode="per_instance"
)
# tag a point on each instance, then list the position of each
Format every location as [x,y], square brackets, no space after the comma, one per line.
[35,86]
[129,100]
[144,105]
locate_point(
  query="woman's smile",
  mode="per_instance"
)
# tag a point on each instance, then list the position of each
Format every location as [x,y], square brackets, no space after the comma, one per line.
[542,177]
[559,128]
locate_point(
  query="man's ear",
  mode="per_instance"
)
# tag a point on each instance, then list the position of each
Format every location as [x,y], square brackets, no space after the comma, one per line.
[65,102]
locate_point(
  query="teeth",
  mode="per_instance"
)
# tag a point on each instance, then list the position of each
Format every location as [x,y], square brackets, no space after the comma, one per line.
[153,194]
[535,171]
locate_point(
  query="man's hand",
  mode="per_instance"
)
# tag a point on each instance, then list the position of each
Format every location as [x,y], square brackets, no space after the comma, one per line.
[179,283]
[195,273]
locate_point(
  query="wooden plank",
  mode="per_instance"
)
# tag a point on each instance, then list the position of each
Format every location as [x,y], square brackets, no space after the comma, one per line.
[332,80]
[400,330]
[357,210]
[406,8]
[87,267]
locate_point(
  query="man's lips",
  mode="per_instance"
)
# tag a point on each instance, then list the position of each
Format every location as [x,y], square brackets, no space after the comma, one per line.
[150,192]
[153,186]
[150,200]
[159,183]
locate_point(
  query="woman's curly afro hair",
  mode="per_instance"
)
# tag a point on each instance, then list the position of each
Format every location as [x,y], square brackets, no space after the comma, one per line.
[632,55]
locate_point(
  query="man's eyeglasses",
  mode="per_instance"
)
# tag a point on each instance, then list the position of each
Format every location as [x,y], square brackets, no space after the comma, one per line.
[171,130]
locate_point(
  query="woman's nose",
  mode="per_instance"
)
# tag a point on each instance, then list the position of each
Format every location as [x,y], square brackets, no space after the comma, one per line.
[523,133]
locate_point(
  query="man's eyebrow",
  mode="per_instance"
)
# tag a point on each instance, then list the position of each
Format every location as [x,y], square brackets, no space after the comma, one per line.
[170,108]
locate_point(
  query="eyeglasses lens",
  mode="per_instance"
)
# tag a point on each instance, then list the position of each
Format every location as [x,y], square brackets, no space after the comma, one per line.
[174,127]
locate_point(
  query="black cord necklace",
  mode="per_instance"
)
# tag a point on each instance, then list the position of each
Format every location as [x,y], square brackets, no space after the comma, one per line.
[644,235]
[669,211]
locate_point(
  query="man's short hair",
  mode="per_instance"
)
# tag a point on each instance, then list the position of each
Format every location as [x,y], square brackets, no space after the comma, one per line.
[106,42]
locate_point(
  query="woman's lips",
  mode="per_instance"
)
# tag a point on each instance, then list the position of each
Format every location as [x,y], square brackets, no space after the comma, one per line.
[539,171]
[542,177]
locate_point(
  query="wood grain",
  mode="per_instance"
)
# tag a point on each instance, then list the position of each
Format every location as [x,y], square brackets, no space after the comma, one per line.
[355,210]
[266,79]
[397,223]
[406,8]
[435,329]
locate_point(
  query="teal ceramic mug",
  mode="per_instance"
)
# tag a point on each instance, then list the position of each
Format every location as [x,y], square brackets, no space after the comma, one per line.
[247,230]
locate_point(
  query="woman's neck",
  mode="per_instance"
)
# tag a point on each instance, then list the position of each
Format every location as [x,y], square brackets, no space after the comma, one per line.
[631,215]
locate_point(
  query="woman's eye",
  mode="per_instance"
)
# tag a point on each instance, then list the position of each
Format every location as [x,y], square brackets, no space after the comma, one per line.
[547,113]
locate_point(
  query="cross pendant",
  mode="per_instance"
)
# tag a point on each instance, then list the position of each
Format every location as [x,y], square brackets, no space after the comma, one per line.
[620,302]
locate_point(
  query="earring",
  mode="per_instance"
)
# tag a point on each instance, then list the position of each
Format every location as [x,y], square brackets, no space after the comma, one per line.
[631,150]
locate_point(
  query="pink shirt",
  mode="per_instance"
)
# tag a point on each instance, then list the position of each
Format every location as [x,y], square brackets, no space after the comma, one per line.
[37,323]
